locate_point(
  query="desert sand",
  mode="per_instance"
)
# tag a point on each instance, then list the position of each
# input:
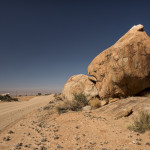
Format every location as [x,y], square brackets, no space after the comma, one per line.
[99,129]
[12,111]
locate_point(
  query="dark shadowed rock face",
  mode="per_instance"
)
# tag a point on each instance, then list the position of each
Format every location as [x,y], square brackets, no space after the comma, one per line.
[124,68]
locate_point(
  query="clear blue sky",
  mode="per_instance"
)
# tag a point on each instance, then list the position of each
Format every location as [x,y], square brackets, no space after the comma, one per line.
[44,42]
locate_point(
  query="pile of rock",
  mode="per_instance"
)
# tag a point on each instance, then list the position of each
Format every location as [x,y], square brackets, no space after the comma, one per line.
[121,70]
[79,84]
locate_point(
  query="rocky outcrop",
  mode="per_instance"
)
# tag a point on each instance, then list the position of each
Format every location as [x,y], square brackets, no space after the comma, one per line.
[79,84]
[125,107]
[124,68]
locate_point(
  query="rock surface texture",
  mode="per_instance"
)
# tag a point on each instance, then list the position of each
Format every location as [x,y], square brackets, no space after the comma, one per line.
[124,68]
[79,84]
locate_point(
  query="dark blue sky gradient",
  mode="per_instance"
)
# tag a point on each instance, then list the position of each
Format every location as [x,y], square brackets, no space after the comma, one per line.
[43,43]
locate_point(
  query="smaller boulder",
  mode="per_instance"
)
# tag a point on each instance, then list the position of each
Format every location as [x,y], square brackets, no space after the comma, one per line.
[124,113]
[113,100]
[79,84]
[86,108]
[104,102]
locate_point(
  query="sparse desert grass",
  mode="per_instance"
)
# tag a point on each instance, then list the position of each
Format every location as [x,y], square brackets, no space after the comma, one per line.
[79,101]
[142,123]
[47,107]
[65,106]
[95,102]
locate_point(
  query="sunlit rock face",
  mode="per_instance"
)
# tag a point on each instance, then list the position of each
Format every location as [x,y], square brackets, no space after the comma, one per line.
[124,68]
[79,84]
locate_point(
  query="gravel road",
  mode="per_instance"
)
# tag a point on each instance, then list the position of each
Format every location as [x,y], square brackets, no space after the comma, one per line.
[12,111]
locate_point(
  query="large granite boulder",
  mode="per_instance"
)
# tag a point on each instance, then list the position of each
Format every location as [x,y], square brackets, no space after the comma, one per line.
[79,84]
[124,68]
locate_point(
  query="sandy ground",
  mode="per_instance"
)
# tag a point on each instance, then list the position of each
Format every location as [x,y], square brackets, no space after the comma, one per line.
[24,98]
[83,130]
[12,111]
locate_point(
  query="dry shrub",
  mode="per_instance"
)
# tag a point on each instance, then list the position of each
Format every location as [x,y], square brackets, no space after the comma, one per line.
[48,107]
[7,98]
[106,100]
[74,105]
[95,103]
[58,97]
[80,99]
[142,123]
[65,106]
